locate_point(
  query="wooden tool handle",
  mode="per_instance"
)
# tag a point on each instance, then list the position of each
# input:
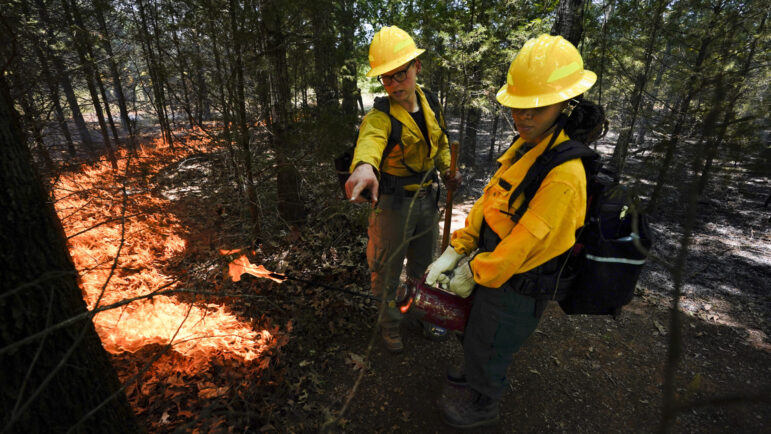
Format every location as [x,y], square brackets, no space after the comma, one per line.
[454,146]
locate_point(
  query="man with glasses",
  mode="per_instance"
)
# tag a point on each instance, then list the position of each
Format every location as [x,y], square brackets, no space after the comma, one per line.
[403,183]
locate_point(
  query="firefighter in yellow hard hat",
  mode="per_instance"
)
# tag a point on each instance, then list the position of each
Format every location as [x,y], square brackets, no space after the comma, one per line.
[402,142]
[513,260]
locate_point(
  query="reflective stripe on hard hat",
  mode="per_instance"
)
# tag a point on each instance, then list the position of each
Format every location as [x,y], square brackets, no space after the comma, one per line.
[563,72]
[403,44]
[391,48]
[547,70]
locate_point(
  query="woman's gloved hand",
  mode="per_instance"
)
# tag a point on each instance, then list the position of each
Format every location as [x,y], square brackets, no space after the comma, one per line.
[446,262]
[452,182]
[462,282]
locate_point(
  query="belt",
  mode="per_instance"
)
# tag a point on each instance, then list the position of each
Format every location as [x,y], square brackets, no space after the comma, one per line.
[419,193]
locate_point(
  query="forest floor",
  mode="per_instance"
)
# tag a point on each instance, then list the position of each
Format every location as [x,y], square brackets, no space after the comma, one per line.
[574,374]
[582,373]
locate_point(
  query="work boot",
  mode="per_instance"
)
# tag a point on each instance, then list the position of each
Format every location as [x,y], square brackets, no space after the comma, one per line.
[454,390]
[469,409]
[456,375]
[392,339]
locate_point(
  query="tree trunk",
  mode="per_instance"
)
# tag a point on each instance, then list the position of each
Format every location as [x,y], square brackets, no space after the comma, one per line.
[647,110]
[203,108]
[290,204]
[466,154]
[182,69]
[100,6]
[63,379]
[64,77]
[607,11]
[641,81]
[156,79]
[107,110]
[325,77]
[82,44]
[224,100]
[351,94]
[473,116]
[53,87]
[569,22]
[160,73]
[237,17]
[737,84]
[680,115]
[33,124]
[493,133]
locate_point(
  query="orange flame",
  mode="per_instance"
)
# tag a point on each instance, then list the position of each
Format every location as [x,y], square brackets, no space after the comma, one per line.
[242,265]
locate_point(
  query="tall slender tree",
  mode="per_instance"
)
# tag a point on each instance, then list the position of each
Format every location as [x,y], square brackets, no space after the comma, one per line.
[148,41]
[692,87]
[64,77]
[102,8]
[237,20]
[83,48]
[288,181]
[640,83]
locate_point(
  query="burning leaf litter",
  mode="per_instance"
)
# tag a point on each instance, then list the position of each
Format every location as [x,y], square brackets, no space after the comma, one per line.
[126,246]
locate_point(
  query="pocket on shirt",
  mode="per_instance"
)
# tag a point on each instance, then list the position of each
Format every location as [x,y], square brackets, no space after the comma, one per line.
[534,224]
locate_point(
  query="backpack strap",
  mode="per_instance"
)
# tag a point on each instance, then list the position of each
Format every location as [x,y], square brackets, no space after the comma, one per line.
[436,107]
[565,151]
[395,137]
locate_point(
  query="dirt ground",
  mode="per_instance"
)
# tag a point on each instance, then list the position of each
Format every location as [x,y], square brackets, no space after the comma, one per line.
[574,374]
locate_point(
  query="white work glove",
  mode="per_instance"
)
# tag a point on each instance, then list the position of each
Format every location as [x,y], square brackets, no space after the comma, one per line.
[462,282]
[446,262]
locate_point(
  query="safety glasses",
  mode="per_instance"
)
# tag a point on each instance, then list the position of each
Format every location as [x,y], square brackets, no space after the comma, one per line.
[387,80]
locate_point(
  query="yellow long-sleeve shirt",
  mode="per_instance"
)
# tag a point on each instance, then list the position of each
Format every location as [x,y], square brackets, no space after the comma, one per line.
[420,153]
[546,230]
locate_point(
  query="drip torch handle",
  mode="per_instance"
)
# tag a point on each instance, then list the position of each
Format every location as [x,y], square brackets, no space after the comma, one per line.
[448,208]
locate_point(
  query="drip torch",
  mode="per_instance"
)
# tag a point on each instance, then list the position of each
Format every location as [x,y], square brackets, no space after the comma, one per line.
[414,297]
[418,300]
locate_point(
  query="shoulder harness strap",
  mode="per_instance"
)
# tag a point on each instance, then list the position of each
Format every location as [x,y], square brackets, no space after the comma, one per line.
[551,158]
[436,107]
[395,137]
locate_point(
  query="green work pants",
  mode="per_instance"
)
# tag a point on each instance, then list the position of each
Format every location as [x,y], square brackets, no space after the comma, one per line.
[400,226]
[500,321]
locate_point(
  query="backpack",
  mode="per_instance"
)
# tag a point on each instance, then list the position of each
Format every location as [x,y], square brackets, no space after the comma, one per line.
[382,103]
[598,275]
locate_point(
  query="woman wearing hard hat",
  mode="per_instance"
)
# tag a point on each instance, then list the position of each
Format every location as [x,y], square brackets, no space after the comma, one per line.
[400,183]
[544,87]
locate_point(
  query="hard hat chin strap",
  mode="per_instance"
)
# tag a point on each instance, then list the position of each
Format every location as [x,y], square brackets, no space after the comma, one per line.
[572,103]
[562,119]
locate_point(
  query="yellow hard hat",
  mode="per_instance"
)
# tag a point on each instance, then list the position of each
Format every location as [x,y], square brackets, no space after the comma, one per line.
[391,47]
[547,70]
